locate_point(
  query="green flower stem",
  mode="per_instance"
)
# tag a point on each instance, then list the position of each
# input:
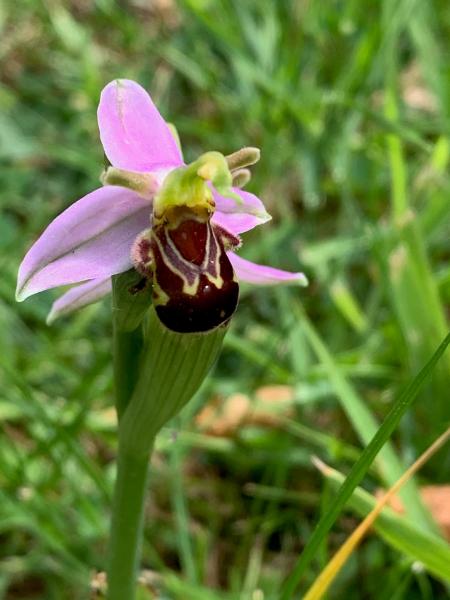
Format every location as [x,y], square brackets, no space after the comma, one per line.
[128,310]
[127,523]
[127,349]
[131,481]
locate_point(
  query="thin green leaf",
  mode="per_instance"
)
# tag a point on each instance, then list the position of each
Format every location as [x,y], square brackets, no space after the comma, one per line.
[366,426]
[360,468]
[432,551]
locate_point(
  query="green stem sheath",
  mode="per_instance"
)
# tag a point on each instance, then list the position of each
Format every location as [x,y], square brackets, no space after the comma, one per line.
[127,524]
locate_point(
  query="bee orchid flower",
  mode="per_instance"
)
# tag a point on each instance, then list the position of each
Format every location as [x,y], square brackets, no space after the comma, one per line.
[177,224]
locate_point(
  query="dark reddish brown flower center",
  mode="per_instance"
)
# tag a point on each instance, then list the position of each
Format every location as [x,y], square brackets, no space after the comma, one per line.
[194,286]
[190,238]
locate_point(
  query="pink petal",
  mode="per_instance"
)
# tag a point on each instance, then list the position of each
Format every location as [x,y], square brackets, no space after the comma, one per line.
[262,275]
[239,217]
[133,133]
[238,222]
[91,239]
[78,297]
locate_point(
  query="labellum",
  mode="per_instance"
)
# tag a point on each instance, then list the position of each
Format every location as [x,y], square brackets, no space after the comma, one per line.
[194,286]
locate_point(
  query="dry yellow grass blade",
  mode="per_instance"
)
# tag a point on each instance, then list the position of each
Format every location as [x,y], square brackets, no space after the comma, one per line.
[329,573]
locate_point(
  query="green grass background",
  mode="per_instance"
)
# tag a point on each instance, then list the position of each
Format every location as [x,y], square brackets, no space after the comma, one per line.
[349,103]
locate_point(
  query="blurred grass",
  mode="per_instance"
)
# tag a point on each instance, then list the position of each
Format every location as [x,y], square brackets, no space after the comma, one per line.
[349,102]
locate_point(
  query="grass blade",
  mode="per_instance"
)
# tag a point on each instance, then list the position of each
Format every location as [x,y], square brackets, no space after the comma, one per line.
[400,533]
[334,566]
[360,468]
[366,426]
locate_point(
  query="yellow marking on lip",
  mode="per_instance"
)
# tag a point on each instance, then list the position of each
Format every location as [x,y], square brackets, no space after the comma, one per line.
[188,288]
[191,289]
[160,298]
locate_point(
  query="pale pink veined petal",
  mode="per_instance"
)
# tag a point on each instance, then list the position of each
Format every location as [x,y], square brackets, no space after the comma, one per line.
[133,133]
[90,239]
[238,217]
[262,275]
[237,223]
[79,296]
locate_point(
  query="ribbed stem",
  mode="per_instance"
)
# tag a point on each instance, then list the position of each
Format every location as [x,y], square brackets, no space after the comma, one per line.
[174,365]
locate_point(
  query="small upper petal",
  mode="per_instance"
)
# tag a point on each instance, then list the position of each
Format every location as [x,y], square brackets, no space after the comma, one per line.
[133,133]
[79,296]
[238,217]
[237,223]
[91,239]
[262,275]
